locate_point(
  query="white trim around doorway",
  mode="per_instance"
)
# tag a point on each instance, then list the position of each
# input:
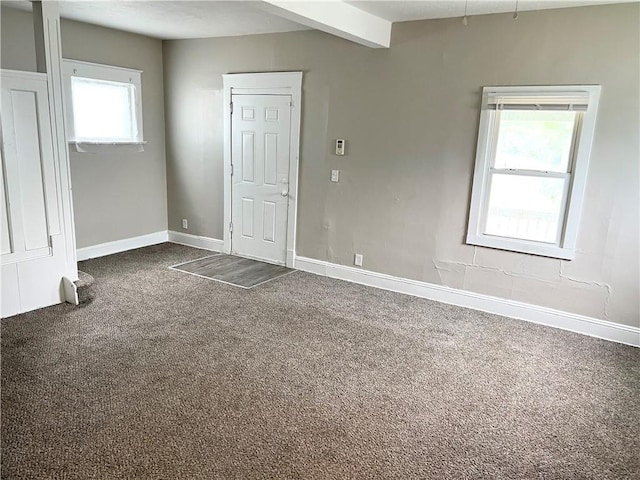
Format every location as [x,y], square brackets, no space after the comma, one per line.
[272,83]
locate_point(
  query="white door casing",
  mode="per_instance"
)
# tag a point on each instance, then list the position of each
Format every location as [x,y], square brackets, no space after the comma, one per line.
[288,84]
[260,130]
[32,248]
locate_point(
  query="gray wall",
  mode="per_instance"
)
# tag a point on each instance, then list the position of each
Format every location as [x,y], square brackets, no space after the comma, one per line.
[410,115]
[115,195]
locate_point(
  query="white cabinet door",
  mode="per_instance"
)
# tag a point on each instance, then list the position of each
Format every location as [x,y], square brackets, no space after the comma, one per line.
[32,244]
[260,134]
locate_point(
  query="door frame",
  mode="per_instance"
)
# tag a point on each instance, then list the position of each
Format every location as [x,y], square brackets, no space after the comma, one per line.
[271,83]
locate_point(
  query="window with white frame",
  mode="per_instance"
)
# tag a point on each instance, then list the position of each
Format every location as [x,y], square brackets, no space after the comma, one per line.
[532,158]
[103,104]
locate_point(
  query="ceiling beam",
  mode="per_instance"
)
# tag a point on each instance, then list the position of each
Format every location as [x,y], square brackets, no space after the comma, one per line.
[337,18]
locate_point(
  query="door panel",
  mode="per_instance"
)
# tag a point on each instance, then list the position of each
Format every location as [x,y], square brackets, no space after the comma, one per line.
[248,157]
[33,247]
[247,218]
[270,158]
[260,132]
[269,221]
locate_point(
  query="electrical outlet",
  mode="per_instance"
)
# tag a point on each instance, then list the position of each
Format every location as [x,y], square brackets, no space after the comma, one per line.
[357,261]
[185,224]
[335,176]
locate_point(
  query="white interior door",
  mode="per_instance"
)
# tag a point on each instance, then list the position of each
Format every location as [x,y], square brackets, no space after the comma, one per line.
[32,244]
[260,143]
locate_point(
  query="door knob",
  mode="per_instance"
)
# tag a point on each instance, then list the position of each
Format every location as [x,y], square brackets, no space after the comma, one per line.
[284,193]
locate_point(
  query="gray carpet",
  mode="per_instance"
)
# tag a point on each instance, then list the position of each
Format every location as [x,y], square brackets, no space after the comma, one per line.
[241,272]
[170,376]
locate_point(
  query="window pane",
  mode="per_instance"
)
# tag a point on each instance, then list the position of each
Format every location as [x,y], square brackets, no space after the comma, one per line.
[525,207]
[535,140]
[103,110]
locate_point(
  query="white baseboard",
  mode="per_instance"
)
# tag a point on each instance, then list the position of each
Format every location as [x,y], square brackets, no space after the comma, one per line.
[197,241]
[118,246]
[509,308]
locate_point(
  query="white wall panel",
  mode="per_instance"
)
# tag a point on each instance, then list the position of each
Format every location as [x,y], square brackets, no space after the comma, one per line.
[33,259]
[31,180]
[5,237]
[9,293]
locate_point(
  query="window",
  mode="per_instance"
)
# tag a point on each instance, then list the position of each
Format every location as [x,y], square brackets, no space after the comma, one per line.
[531,168]
[103,104]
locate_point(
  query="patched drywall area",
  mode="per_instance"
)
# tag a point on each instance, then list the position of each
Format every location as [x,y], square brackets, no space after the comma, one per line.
[115,195]
[410,117]
[528,284]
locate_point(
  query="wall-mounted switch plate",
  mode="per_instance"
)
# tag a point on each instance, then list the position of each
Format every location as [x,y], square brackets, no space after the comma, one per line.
[335,175]
[340,146]
[185,224]
[357,261]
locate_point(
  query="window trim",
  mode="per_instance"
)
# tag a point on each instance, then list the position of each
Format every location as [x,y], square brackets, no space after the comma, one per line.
[575,187]
[110,73]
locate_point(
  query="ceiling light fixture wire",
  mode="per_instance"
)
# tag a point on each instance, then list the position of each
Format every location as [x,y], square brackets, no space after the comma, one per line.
[515,13]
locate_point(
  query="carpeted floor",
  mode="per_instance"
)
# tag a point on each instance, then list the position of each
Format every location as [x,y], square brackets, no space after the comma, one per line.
[170,376]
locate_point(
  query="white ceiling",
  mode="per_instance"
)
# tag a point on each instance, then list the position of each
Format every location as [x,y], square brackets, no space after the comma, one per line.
[172,19]
[402,11]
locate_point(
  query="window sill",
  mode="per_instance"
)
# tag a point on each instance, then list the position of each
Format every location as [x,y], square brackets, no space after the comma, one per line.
[101,147]
[521,246]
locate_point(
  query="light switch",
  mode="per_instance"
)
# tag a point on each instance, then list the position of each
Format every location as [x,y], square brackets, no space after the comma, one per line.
[335,175]
[340,146]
